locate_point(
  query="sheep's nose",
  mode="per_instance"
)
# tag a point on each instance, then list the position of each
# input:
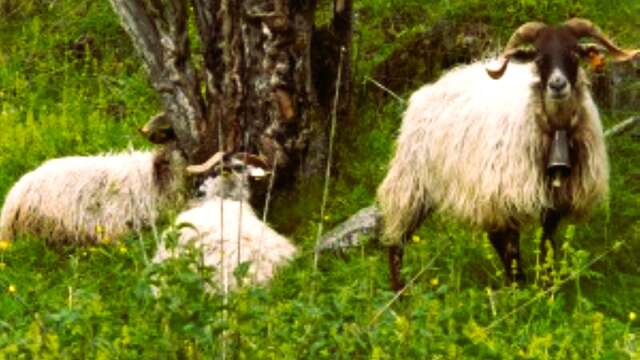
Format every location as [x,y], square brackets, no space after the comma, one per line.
[558,84]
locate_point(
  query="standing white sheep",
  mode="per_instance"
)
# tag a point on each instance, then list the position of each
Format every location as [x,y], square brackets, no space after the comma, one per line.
[225,228]
[479,149]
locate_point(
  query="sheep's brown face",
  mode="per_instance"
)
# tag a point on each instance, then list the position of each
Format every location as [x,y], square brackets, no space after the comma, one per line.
[557,60]
[227,174]
[557,57]
[556,53]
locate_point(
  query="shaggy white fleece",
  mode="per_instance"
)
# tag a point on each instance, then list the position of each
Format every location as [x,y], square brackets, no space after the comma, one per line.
[86,199]
[475,148]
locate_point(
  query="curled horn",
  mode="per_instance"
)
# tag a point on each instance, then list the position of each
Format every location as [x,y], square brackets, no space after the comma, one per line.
[525,34]
[583,28]
[207,165]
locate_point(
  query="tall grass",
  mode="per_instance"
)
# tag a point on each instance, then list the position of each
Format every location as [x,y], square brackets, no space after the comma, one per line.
[96,302]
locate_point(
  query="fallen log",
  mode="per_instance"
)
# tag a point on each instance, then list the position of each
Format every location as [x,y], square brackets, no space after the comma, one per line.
[350,233]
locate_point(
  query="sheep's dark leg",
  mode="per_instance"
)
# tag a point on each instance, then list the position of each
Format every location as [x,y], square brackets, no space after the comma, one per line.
[396,252]
[550,221]
[507,244]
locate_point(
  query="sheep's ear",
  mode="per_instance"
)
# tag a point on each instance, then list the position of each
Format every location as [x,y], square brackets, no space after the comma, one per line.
[518,55]
[256,172]
[207,165]
[257,161]
[159,137]
[524,55]
[594,55]
[158,129]
[256,165]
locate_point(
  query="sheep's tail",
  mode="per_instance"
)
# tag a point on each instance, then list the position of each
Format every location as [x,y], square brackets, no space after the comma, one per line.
[10,213]
[402,198]
[6,232]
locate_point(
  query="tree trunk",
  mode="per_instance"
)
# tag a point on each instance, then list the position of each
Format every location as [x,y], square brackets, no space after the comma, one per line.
[248,84]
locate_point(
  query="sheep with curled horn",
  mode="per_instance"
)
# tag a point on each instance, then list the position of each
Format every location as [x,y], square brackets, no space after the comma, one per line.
[499,151]
[223,225]
[100,198]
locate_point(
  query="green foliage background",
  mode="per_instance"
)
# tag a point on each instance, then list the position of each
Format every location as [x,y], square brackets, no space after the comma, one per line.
[97,302]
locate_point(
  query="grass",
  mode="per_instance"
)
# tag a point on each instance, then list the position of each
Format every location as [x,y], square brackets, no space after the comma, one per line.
[97,302]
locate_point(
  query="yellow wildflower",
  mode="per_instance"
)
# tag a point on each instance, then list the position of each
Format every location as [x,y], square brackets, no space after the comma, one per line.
[521,353]
[435,282]
[632,316]
[11,289]
[415,238]
[4,244]
[122,249]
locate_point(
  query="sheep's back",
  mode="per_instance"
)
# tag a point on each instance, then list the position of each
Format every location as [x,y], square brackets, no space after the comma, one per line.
[475,145]
[84,199]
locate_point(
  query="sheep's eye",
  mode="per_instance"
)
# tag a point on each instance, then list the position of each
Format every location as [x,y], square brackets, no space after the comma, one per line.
[541,60]
[574,55]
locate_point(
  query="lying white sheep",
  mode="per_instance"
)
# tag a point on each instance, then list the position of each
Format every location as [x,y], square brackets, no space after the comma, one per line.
[227,231]
[88,199]
[101,198]
[479,149]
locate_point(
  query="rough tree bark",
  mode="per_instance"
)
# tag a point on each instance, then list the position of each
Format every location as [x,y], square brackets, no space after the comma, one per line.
[250,83]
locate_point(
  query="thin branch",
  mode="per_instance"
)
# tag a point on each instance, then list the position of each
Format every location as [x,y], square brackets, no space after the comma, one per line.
[225,277]
[561,282]
[385,89]
[245,183]
[332,134]
[407,286]
[623,126]
[265,213]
